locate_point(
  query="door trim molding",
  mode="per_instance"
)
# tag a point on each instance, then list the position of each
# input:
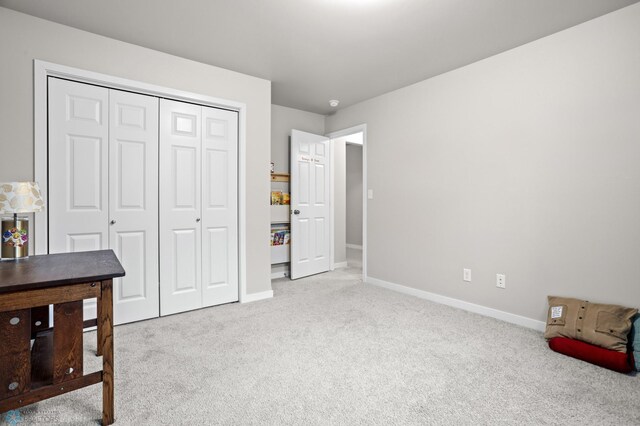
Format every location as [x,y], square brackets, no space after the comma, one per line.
[42,70]
[334,135]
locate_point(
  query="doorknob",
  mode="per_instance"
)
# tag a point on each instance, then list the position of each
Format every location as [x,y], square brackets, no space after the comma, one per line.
[113,222]
[198,220]
[296,212]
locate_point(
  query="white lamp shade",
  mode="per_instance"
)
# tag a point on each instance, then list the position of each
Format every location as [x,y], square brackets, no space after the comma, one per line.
[20,197]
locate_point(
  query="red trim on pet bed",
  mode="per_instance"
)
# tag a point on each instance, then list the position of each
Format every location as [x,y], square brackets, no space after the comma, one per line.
[613,360]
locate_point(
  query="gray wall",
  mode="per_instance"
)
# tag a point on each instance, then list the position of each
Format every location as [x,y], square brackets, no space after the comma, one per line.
[354,194]
[526,163]
[284,119]
[25,38]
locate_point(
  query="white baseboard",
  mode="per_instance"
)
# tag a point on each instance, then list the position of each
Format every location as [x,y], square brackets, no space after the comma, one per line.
[339,265]
[90,310]
[354,246]
[254,297]
[460,304]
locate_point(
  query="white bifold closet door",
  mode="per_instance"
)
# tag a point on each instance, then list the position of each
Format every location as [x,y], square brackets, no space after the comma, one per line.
[133,204]
[198,206]
[219,206]
[180,217]
[103,186]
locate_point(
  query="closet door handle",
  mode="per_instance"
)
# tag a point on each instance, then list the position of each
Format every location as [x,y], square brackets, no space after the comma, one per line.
[113,222]
[296,212]
[198,220]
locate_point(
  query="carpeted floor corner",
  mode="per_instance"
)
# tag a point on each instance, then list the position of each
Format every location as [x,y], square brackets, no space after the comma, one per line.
[331,350]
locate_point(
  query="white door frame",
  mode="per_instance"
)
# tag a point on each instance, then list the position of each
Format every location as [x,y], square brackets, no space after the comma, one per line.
[42,70]
[334,135]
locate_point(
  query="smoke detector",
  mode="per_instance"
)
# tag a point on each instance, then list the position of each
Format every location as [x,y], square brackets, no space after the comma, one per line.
[334,103]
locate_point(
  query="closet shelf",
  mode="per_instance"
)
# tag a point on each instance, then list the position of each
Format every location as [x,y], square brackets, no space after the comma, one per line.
[279,177]
[280,214]
[280,254]
[280,219]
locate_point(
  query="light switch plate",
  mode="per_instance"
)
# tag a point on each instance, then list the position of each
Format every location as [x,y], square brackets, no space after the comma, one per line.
[370,194]
[466,275]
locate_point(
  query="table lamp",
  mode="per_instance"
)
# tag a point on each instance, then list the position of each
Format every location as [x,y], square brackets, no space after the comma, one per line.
[17,197]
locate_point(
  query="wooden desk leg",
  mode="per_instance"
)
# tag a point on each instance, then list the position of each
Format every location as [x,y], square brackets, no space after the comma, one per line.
[105,325]
[99,329]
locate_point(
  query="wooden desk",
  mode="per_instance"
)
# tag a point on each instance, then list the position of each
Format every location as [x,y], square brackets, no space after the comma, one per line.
[55,363]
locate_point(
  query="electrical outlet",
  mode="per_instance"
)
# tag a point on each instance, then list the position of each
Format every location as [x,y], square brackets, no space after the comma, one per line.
[466,275]
[501,281]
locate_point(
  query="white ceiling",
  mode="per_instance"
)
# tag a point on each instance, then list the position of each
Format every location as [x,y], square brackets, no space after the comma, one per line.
[317,50]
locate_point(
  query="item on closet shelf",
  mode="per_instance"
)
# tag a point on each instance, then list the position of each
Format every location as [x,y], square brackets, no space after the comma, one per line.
[279,237]
[634,339]
[276,198]
[602,325]
[286,198]
[613,360]
[272,167]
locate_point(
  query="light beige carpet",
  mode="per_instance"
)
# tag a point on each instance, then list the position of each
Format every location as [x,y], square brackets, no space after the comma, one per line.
[331,350]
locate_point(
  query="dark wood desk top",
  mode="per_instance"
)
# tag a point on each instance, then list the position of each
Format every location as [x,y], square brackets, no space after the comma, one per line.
[51,270]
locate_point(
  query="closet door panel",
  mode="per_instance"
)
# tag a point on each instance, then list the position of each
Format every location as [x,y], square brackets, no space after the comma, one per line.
[78,166]
[219,206]
[180,207]
[133,194]
[185,250]
[78,199]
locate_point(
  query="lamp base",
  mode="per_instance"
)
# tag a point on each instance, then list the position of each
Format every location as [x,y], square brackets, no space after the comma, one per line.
[14,238]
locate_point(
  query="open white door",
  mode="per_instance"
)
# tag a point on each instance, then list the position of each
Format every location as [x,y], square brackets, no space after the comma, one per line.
[310,209]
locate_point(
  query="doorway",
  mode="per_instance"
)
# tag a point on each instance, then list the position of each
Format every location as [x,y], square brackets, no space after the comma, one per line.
[337,142]
[349,198]
[353,194]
